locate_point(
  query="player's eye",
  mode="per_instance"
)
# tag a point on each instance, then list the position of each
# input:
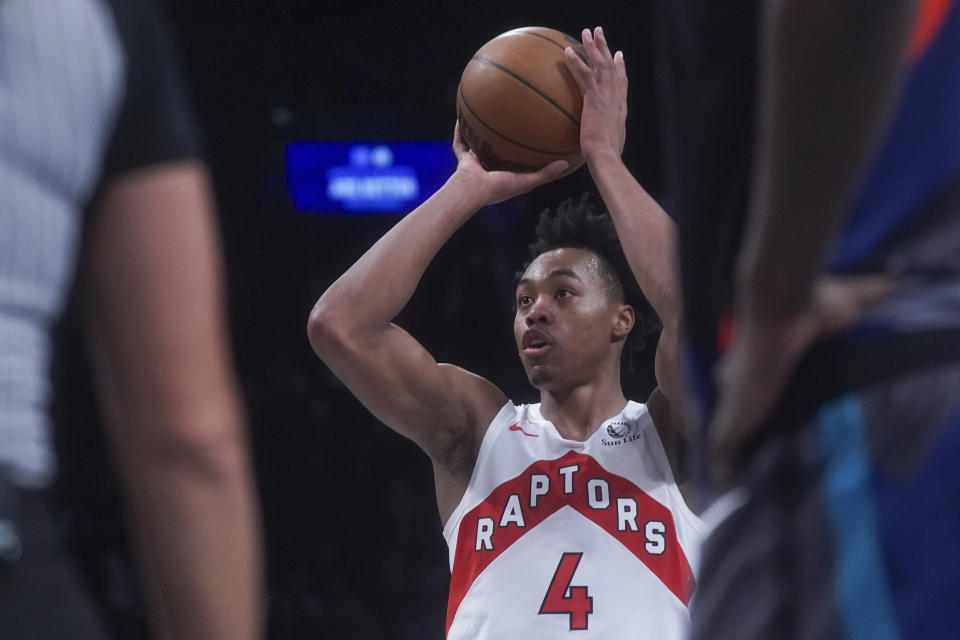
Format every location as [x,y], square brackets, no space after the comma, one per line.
[523,301]
[564,293]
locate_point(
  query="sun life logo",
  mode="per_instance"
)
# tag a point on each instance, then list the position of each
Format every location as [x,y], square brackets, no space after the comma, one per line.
[618,429]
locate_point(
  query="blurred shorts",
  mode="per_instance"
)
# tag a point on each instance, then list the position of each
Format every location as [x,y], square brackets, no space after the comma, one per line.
[851,525]
[41,594]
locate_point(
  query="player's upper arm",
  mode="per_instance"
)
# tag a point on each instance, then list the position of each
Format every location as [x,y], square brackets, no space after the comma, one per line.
[443,408]
[667,368]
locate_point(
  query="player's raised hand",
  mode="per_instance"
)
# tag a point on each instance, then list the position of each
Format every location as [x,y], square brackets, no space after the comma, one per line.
[497,186]
[603,81]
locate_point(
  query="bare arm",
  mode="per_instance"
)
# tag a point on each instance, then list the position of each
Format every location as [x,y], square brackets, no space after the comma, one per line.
[646,232]
[156,318]
[829,82]
[440,407]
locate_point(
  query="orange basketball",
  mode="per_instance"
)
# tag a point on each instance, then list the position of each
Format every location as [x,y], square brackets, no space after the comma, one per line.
[517,105]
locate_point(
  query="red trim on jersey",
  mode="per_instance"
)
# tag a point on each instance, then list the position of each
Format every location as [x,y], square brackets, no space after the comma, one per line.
[671,566]
[930,17]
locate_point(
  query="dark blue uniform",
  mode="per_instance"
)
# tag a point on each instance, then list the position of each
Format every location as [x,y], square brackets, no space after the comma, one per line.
[851,524]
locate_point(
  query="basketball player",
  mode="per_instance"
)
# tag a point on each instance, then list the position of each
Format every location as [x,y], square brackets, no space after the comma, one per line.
[831,312]
[97,135]
[563,517]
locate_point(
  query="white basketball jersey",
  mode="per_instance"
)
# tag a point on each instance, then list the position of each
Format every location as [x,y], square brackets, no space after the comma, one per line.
[556,538]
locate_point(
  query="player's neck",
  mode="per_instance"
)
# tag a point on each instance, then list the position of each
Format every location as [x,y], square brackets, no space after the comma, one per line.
[578,412]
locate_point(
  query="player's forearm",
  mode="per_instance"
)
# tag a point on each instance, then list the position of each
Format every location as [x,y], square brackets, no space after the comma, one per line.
[195,522]
[830,75]
[646,232]
[376,288]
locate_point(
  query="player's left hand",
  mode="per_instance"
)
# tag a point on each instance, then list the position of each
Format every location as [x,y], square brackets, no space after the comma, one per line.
[765,352]
[603,82]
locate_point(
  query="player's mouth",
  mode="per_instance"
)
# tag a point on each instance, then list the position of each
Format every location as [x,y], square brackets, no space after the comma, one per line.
[535,343]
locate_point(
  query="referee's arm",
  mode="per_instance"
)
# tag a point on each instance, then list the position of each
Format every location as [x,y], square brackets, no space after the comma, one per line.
[157,321]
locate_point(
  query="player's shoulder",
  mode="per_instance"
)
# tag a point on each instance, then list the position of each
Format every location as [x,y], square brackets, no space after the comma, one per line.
[635,410]
[634,413]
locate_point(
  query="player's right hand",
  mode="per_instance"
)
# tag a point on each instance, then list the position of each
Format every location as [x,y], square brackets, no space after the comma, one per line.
[497,186]
[603,82]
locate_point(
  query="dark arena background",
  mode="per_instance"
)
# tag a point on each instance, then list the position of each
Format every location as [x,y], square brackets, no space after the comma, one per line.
[352,536]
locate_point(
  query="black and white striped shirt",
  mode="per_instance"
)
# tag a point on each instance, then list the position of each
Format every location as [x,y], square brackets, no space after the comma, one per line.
[88,89]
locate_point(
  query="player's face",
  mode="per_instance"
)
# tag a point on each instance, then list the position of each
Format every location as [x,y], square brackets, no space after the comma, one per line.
[565,321]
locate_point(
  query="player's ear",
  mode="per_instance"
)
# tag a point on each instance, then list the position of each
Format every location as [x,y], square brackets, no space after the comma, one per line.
[623,322]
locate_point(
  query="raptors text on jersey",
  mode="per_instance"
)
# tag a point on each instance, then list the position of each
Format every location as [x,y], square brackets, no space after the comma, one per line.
[558,538]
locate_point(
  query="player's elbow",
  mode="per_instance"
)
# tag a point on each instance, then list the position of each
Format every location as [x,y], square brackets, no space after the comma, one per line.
[327,327]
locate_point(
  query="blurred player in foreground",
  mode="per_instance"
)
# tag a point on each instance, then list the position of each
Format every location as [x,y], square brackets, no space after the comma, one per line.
[93,113]
[823,301]
[564,515]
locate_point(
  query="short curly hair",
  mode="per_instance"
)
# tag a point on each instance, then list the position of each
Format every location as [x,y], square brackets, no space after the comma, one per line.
[576,223]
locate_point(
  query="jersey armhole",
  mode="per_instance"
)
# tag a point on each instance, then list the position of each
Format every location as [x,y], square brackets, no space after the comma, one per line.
[504,418]
[692,519]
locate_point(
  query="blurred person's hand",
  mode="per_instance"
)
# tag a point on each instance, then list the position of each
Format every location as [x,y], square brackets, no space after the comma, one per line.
[765,352]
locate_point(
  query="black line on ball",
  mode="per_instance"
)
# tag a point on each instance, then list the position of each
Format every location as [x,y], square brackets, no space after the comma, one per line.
[540,35]
[572,42]
[507,138]
[499,66]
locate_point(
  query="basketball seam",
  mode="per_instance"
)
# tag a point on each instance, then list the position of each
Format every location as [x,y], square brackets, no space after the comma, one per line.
[540,35]
[507,138]
[573,44]
[497,65]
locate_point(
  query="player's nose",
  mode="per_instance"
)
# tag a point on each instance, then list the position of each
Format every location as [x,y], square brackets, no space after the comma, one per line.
[540,312]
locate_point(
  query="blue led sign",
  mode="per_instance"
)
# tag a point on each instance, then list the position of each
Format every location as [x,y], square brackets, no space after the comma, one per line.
[356,178]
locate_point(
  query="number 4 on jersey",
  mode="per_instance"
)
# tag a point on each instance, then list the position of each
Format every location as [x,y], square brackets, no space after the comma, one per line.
[576,603]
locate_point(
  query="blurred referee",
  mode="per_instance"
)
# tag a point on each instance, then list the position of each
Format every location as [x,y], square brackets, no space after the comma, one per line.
[97,140]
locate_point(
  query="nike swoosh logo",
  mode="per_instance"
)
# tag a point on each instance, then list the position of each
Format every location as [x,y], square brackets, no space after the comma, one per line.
[516,427]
